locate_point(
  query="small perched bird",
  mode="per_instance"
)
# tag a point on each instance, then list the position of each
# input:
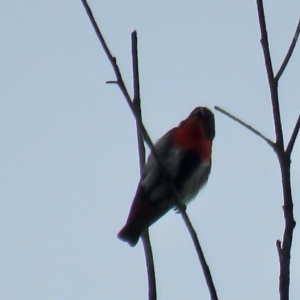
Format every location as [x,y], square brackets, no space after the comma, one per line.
[186,154]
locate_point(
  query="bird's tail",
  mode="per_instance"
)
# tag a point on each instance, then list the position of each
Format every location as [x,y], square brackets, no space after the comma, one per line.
[142,214]
[130,234]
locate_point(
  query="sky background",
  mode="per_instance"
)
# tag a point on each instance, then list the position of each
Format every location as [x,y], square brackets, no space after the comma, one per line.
[68,155]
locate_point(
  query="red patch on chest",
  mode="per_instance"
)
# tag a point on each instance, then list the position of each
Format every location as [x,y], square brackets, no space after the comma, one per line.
[190,136]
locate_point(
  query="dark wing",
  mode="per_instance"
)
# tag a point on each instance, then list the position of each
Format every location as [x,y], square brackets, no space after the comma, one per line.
[153,184]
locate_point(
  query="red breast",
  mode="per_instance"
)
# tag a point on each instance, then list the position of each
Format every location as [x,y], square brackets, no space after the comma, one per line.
[191,136]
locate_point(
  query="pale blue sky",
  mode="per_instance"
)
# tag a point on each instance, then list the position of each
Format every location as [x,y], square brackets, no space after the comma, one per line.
[68,155]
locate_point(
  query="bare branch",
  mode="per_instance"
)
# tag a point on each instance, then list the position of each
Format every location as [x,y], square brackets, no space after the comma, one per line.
[293,138]
[272,82]
[152,294]
[205,268]
[119,80]
[110,57]
[137,97]
[289,53]
[284,248]
[270,143]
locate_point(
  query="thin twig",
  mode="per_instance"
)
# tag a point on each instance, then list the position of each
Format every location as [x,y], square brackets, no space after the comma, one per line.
[205,268]
[272,82]
[289,53]
[148,141]
[137,98]
[270,143]
[293,138]
[152,294]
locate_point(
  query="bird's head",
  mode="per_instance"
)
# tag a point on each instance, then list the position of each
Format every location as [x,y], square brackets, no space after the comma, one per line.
[207,118]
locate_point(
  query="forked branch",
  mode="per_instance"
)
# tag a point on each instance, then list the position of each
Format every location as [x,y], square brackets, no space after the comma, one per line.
[272,82]
[284,247]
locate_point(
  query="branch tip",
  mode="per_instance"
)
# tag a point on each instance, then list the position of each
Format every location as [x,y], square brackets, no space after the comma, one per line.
[289,53]
[293,138]
[279,249]
[249,127]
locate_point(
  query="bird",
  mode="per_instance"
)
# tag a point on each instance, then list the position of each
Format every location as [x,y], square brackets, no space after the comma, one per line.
[185,152]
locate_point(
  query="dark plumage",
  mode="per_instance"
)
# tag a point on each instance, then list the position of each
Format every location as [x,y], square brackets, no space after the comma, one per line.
[186,153]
